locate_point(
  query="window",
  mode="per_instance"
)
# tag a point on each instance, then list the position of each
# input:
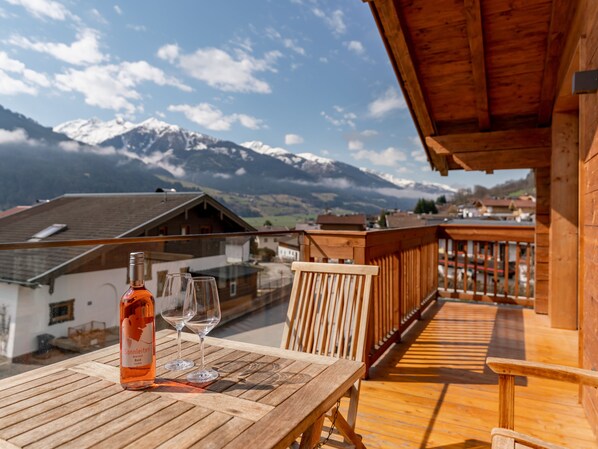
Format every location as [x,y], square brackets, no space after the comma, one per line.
[265,239]
[205,230]
[161,281]
[62,311]
[47,232]
[163,230]
[233,288]
[185,229]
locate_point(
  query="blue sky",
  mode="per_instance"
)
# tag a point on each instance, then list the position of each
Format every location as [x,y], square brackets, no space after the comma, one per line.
[306,75]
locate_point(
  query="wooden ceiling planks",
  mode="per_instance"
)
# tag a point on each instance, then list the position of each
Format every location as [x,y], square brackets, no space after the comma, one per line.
[478,67]
[473,14]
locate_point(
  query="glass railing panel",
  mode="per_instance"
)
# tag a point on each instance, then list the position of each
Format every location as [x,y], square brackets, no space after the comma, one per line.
[60,301]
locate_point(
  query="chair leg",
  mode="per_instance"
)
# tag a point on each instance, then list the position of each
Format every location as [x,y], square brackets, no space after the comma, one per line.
[353,402]
[346,431]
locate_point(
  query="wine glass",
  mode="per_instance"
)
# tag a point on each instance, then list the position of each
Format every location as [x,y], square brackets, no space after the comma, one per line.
[174,312]
[203,303]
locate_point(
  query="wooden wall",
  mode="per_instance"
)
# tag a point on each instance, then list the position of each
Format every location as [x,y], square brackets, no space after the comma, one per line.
[588,207]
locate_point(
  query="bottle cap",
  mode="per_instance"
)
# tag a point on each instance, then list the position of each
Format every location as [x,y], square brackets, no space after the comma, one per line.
[136,258]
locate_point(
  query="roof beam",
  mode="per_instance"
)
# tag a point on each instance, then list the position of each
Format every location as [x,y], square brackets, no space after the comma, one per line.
[473,14]
[499,150]
[391,27]
[563,12]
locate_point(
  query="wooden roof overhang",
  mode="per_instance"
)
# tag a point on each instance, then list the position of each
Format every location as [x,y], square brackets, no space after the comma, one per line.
[480,76]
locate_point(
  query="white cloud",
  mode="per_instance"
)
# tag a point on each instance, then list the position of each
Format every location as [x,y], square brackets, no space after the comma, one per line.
[43,9]
[240,172]
[355,145]
[291,44]
[168,52]
[85,50]
[369,133]
[138,28]
[98,16]
[335,20]
[356,47]
[27,81]
[324,60]
[118,10]
[419,155]
[229,73]
[293,139]
[386,103]
[214,119]
[15,136]
[114,86]
[341,118]
[389,157]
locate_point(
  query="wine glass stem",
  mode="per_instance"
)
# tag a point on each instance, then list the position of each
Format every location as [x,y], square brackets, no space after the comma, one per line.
[201,367]
[178,340]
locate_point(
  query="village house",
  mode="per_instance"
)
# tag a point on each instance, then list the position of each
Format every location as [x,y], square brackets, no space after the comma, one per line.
[329,222]
[46,291]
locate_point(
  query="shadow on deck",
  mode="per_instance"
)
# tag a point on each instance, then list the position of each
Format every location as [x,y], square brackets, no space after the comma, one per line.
[435,391]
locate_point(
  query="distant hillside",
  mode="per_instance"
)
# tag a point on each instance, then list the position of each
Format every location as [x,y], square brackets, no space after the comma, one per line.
[508,189]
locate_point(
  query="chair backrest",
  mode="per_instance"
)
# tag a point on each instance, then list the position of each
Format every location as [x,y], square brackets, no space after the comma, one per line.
[329,308]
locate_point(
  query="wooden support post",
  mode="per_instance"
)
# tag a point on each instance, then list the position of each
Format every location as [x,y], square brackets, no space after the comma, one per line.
[562,303]
[506,401]
[542,241]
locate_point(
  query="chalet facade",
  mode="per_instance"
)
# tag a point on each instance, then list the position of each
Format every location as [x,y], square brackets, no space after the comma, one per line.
[49,290]
[329,222]
[496,85]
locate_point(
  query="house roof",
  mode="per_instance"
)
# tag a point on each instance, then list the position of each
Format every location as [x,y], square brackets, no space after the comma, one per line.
[328,219]
[88,216]
[481,77]
[517,204]
[228,272]
[404,220]
[14,210]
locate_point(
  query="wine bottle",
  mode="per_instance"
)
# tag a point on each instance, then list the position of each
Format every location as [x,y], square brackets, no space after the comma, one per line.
[137,330]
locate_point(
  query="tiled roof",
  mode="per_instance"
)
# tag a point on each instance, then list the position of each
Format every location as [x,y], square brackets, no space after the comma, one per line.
[358,219]
[87,216]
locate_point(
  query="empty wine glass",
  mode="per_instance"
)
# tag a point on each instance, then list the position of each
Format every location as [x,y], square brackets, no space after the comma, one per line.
[174,312]
[202,300]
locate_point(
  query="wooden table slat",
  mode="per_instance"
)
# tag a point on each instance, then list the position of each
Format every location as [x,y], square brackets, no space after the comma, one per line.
[123,417]
[265,397]
[76,423]
[171,429]
[197,431]
[49,410]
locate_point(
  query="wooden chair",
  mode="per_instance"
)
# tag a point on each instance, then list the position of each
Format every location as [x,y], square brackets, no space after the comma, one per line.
[328,315]
[505,437]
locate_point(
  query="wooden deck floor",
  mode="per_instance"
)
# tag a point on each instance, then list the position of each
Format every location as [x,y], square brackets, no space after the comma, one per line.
[434,391]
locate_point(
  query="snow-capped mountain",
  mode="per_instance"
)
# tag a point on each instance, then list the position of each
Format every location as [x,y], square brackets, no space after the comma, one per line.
[93,131]
[323,169]
[252,168]
[423,186]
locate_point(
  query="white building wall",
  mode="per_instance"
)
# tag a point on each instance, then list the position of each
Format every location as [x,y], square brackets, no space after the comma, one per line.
[237,253]
[288,253]
[9,294]
[96,294]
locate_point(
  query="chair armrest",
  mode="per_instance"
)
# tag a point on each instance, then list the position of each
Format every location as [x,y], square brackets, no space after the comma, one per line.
[504,439]
[511,367]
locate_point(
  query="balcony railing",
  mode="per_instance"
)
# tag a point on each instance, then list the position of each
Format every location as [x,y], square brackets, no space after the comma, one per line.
[480,263]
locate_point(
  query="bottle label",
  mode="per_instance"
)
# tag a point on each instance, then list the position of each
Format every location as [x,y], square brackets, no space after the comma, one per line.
[137,342]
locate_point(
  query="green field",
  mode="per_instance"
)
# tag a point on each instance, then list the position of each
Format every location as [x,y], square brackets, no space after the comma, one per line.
[280,220]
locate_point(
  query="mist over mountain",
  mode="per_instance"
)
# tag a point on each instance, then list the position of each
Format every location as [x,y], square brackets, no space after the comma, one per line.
[118,156]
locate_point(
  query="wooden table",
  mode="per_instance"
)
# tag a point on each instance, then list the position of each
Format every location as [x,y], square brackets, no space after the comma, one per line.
[265,398]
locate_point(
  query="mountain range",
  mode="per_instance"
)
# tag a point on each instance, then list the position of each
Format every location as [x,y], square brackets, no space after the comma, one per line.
[252,178]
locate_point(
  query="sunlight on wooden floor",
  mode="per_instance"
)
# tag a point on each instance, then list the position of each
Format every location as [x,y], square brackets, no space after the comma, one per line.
[434,390]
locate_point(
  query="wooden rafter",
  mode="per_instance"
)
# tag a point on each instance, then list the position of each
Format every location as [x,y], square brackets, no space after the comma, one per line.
[388,19]
[562,15]
[499,150]
[473,14]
